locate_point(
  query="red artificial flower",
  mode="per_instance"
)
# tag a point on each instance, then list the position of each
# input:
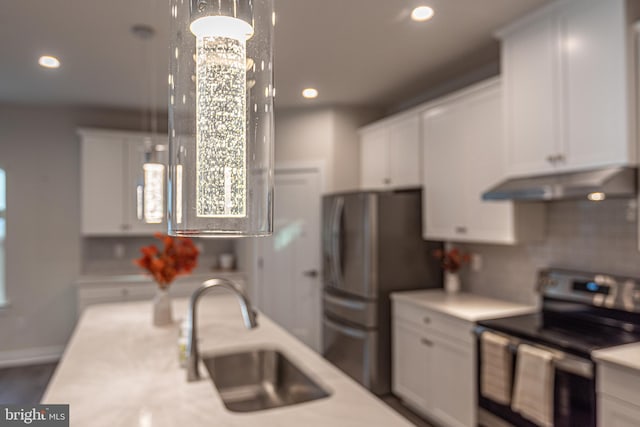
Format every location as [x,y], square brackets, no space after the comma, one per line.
[452,260]
[178,257]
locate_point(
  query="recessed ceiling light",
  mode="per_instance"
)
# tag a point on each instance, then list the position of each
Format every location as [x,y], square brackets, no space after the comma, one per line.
[310,93]
[49,62]
[422,13]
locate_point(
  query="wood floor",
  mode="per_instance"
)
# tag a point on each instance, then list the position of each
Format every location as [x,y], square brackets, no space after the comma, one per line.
[25,384]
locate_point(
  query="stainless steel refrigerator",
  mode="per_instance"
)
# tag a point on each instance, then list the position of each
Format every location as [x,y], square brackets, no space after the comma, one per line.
[372,246]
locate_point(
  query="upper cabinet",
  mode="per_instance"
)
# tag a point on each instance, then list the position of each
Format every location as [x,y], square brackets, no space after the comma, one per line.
[389,153]
[463,152]
[112,179]
[568,72]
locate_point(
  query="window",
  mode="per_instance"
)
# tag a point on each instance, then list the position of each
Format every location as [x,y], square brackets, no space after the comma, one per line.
[3,233]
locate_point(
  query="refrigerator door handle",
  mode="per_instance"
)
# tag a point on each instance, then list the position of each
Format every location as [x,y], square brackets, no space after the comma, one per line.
[347,303]
[346,330]
[337,240]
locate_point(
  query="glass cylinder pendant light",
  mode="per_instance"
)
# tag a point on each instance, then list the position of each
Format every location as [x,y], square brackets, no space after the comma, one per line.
[153,191]
[221,118]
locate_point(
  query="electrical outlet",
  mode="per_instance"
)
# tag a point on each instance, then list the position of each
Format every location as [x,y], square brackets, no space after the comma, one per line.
[476,262]
[119,251]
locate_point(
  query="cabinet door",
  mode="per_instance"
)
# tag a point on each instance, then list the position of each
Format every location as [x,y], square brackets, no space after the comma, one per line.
[103,176]
[531,101]
[411,362]
[596,100]
[453,378]
[615,413]
[487,221]
[404,152]
[374,159]
[444,173]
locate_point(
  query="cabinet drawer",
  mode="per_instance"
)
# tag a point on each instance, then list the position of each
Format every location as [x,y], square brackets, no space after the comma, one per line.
[621,383]
[433,322]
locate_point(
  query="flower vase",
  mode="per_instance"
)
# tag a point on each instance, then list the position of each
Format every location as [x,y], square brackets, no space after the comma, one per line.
[162,315]
[451,282]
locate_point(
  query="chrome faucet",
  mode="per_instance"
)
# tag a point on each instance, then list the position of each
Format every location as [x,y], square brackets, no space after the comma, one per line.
[248,315]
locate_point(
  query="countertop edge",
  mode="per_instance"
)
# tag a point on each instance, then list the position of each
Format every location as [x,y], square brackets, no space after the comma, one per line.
[610,356]
[515,310]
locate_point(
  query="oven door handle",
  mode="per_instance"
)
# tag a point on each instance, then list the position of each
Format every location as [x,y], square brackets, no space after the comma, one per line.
[561,361]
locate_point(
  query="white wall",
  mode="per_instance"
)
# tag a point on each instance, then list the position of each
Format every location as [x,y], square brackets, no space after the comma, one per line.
[39,150]
[327,136]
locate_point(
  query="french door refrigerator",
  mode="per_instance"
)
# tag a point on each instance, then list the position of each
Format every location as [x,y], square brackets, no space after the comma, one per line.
[372,246]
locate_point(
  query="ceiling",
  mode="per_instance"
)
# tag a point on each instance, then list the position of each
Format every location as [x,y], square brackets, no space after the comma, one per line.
[355,52]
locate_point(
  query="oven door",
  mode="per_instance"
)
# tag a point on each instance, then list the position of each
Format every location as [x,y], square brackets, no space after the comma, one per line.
[574,391]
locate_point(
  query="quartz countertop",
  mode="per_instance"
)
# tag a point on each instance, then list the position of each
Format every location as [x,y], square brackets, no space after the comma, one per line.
[118,370]
[626,356]
[465,306]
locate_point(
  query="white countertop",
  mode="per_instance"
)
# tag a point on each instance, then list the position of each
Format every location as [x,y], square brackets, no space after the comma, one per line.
[627,356]
[118,370]
[470,307]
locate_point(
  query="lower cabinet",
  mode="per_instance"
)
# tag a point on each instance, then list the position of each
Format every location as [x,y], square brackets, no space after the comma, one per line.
[412,354]
[106,291]
[616,413]
[433,365]
[618,396]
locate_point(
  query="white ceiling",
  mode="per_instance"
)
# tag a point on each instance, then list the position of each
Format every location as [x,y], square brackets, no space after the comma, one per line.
[356,52]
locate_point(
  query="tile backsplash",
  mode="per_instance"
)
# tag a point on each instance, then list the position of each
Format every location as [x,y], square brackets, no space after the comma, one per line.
[115,255]
[581,235]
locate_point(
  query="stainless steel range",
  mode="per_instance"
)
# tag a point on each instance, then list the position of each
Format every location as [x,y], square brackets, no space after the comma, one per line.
[581,312]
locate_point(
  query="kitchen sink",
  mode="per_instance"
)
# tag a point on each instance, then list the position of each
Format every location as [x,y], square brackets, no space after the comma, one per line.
[260,379]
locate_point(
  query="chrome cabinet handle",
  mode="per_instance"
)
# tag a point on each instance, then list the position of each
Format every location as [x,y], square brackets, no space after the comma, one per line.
[461,230]
[387,181]
[426,342]
[553,159]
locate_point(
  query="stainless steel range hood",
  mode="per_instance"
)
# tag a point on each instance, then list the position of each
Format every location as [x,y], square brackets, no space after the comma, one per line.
[593,184]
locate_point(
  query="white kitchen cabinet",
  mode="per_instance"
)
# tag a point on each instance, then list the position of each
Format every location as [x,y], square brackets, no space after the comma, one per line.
[389,153]
[411,360]
[103,176]
[111,183]
[113,289]
[618,396]
[434,364]
[569,78]
[616,413]
[463,155]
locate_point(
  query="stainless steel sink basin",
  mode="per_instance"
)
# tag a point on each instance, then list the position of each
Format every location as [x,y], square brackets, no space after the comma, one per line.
[260,379]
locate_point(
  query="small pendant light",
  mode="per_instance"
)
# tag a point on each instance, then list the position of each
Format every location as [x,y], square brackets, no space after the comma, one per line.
[221,118]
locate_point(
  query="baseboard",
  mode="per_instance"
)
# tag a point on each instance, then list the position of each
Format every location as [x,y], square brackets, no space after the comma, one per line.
[30,356]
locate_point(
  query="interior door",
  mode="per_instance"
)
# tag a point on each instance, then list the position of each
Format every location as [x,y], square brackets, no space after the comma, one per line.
[289,272]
